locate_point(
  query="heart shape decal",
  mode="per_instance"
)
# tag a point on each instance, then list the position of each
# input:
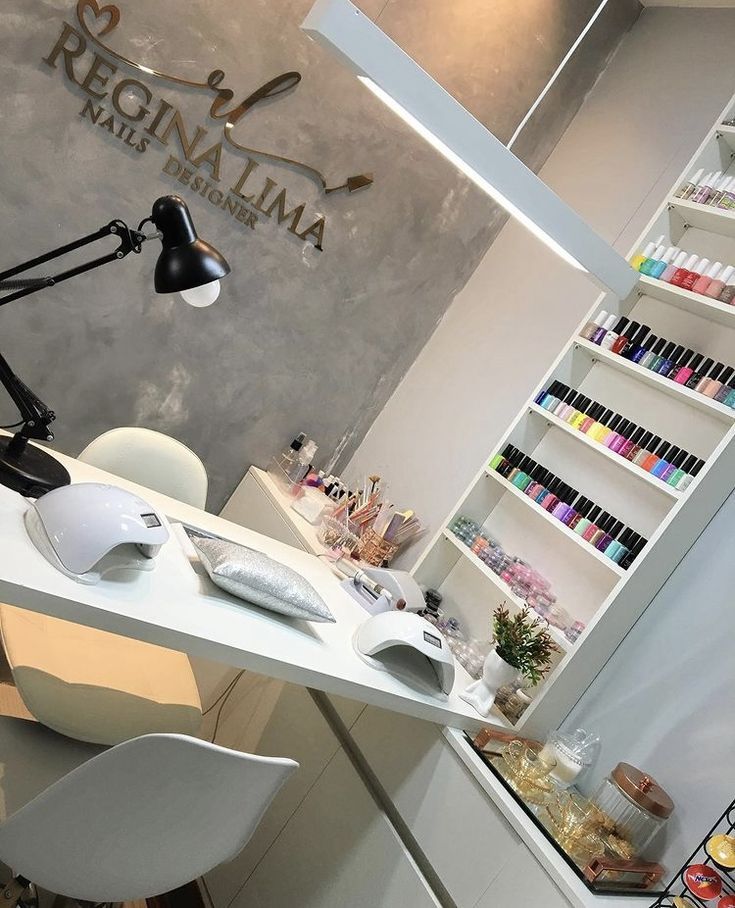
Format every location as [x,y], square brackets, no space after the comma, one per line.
[110,12]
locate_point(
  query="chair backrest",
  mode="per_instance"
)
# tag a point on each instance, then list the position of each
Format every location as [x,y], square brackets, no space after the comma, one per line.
[151,459]
[141,818]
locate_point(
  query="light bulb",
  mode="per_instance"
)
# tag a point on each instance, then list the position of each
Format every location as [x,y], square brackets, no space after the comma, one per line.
[201,296]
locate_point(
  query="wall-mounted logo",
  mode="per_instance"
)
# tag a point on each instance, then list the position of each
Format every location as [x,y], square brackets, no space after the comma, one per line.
[128,109]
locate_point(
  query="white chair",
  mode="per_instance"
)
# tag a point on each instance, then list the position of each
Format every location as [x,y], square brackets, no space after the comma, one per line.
[92,685]
[151,459]
[127,823]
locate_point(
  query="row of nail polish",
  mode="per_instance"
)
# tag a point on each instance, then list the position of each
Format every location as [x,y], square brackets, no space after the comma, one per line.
[680,364]
[662,459]
[714,189]
[608,535]
[680,269]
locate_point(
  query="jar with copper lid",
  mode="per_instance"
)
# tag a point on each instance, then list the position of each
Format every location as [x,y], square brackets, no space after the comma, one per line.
[636,804]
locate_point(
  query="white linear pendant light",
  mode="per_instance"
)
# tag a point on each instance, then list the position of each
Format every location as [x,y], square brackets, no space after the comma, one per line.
[437,117]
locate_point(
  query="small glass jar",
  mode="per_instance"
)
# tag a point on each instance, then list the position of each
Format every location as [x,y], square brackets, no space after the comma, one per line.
[636,803]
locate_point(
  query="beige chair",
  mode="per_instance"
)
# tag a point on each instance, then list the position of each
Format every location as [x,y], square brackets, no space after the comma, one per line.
[91,685]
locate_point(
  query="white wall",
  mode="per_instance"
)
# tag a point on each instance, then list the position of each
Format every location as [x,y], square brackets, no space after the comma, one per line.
[666,699]
[667,83]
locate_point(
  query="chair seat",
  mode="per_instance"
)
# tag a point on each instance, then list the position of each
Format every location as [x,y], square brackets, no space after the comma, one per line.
[32,758]
[94,686]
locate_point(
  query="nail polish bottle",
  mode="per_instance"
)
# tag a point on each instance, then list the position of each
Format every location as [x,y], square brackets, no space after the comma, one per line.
[703,282]
[663,356]
[644,450]
[654,351]
[717,382]
[565,505]
[609,536]
[593,326]
[667,258]
[515,469]
[624,339]
[547,482]
[581,507]
[622,431]
[566,408]
[586,520]
[604,521]
[701,373]
[506,465]
[627,560]
[727,295]
[601,430]
[604,328]
[702,195]
[718,190]
[650,461]
[687,188]
[702,188]
[557,408]
[640,257]
[544,392]
[663,452]
[684,463]
[691,475]
[553,396]
[694,274]
[536,486]
[642,350]
[631,441]
[724,200]
[638,440]
[614,426]
[685,272]
[572,505]
[680,363]
[685,373]
[728,200]
[622,548]
[728,386]
[519,477]
[615,547]
[667,366]
[719,283]
[611,336]
[550,501]
[590,418]
[704,384]
[500,458]
[593,516]
[636,350]
[653,260]
[678,262]
[581,406]
[672,457]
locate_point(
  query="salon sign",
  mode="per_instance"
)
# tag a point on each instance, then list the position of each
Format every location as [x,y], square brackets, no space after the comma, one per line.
[211,161]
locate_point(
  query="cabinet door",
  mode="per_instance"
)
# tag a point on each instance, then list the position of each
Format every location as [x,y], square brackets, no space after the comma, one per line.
[251,507]
[464,837]
[337,851]
[523,882]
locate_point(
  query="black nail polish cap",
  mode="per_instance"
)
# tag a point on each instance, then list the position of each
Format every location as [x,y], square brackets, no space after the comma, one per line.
[716,369]
[620,327]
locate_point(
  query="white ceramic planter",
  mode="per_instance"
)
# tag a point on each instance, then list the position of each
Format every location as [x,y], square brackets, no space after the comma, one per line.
[495,673]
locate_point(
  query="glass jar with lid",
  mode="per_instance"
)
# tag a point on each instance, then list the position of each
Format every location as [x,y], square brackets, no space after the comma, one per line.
[636,803]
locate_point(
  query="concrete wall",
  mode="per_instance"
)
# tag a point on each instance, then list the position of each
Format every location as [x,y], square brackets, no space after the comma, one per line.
[300,339]
[669,80]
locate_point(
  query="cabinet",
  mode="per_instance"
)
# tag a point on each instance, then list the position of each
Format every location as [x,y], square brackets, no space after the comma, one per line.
[604,595]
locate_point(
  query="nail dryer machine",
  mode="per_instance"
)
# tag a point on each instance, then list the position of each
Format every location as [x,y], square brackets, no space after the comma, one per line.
[409,647]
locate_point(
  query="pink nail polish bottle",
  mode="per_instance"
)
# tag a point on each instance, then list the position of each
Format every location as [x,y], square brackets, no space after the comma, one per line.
[671,269]
[703,282]
[719,283]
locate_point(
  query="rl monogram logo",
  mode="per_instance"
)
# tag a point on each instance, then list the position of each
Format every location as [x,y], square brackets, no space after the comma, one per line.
[136,118]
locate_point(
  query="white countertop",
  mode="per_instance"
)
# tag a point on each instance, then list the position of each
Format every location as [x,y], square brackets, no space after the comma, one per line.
[174,606]
[563,876]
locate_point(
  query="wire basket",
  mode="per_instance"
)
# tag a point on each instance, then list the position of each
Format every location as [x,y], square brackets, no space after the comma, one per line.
[375,550]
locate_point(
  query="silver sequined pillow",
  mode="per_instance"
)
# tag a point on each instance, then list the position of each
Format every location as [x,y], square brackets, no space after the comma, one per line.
[256,578]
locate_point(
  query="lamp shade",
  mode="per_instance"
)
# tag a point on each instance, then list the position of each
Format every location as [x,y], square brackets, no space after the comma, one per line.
[185,260]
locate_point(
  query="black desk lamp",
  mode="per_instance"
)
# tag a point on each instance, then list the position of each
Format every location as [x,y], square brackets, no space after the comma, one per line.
[185,262]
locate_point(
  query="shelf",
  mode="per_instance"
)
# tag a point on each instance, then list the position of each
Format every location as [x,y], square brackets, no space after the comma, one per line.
[679,392]
[704,217]
[616,459]
[728,134]
[561,641]
[695,303]
[588,549]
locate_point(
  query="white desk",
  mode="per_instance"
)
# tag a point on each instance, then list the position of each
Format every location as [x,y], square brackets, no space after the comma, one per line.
[175,607]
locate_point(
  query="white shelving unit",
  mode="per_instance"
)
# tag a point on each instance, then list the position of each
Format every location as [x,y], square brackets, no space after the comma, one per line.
[588,585]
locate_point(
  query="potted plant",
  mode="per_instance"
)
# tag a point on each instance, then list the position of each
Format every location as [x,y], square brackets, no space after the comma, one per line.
[521,647]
